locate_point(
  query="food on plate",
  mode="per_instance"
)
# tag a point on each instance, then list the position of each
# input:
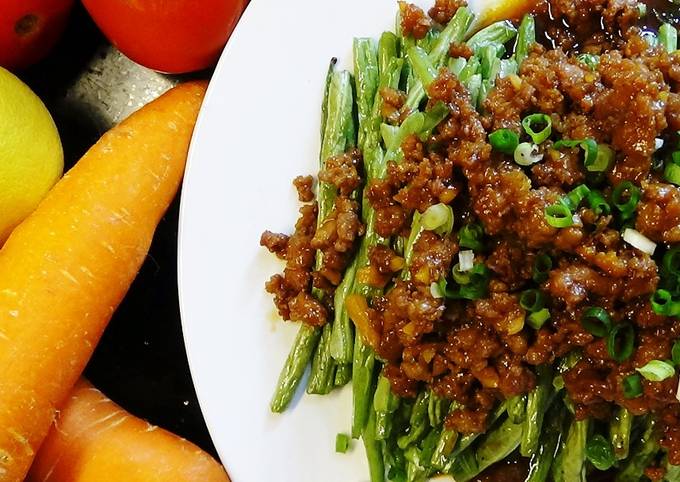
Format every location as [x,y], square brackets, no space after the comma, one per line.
[492,254]
[93,439]
[32,157]
[66,268]
[173,36]
[29,29]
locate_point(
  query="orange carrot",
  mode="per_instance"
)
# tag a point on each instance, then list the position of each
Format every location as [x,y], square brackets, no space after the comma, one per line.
[94,440]
[66,268]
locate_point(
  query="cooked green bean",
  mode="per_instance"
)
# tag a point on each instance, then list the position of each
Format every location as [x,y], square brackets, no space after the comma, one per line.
[619,432]
[537,404]
[569,464]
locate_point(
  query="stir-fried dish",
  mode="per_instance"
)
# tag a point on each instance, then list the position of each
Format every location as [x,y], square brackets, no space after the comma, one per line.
[492,253]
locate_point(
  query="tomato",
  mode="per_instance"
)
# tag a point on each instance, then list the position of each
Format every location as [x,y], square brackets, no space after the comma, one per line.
[29,29]
[173,36]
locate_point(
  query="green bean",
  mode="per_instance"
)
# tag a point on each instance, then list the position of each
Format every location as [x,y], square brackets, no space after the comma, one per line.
[343,374]
[363,367]
[322,376]
[508,67]
[294,368]
[641,456]
[493,447]
[373,449]
[474,86]
[416,230]
[337,123]
[542,460]
[435,410]
[619,432]
[366,76]
[569,464]
[537,404]
[498,33]
[526,38]
[472,67]
[387,51]
[342,339]
[453,32]
[456,65]
[418,423]
[517,408]
[422,66]
[385,403]
[672,472]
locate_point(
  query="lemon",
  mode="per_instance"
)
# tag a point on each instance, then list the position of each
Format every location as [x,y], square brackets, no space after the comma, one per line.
[31,156]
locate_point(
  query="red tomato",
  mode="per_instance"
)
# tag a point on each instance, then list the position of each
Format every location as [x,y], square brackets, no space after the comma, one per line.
[172,36]
[29,29]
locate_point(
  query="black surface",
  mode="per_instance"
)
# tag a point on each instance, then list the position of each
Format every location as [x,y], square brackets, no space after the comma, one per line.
[140,362]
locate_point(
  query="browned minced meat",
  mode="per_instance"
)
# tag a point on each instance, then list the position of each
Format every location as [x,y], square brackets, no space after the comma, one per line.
[460,50]
[444,10]
[478,352]
[303,185]
[393,100]
[414,23]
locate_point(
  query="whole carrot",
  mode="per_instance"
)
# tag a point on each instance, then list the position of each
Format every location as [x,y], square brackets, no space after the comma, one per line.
[93,439]
[66,268]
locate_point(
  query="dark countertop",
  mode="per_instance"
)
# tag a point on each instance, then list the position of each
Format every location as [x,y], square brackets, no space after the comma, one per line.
[140,362]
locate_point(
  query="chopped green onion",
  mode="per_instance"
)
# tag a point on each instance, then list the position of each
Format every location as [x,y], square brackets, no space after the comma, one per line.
[573,199]
[621,341]
[600,453]
[589,146]
[589,60]
[671,261]
[668,37]
[632,386]
[656,370]
[341,443]
[639,241]
[650,38]
[438,216]
[597,321]
[558,383]
[536,121]
[532,300]
[459,276]
[466,260]
[558,216]
[478,285]
[470,236]
[672,173]
[642,10]
[537,320]
[664,303]
[527,154]
[675,352]
[603,160]
[504,140]
[626,197]
[597,203]
[542,266]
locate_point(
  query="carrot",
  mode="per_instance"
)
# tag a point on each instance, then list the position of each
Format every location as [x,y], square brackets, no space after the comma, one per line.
[66,268]
[93,439]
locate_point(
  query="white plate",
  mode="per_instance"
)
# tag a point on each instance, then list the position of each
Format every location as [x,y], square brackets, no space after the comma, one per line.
[258,130]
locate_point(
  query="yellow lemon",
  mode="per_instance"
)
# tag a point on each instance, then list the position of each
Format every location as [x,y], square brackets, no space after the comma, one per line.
[31,156]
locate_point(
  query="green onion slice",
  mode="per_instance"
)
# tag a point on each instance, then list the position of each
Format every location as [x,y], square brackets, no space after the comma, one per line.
[573,199]
[656,370]
[597,321]
[537,320]
[341,443]
[621,341]
[461,277]
[600,453]
[438,217]
[632,386]
[559,216]
[532,300]
[672,173]
[542,266]
[664,303]
[470,236]
[675,352]
[626,197]
[589,60]
[603,160]
[597,203]
[527,154]
[671,261]
[504,140]
[538,121]
[589,146]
